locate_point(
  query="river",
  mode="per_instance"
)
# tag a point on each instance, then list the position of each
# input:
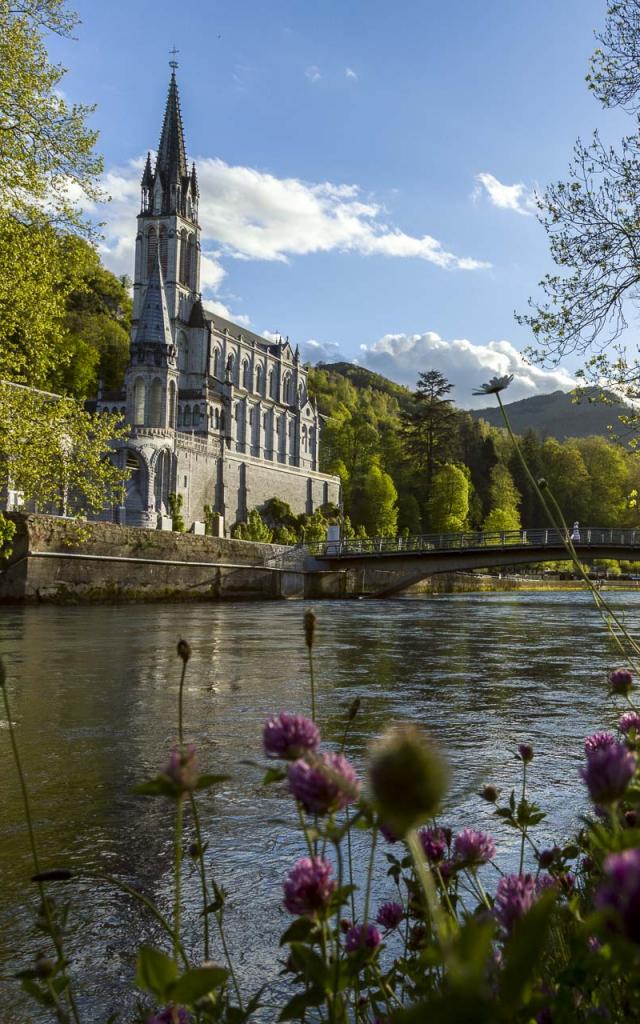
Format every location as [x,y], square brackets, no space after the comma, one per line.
[94,692]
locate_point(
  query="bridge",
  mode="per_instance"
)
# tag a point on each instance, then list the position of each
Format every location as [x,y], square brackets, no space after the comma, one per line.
[408,560]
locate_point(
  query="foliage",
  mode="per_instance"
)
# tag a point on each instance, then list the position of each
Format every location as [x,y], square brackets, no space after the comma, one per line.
[504,498]
[47,158]
[56,454]
[427,426]
[176,501]
[381,515]
[449,503]
[7,533]
[254,529]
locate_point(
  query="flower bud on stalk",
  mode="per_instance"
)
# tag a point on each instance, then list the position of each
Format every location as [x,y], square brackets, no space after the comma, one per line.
[620,681]
[408,779]
[184,650]
[310,620]
[490,793]
[525,750]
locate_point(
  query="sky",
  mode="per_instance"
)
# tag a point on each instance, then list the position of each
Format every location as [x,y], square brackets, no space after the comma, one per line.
[366,168]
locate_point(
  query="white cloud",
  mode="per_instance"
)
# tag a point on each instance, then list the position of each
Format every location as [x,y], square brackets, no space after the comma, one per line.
[466,364]
[401,357]
[220,309]
[517,198]
[350,73]
[313,73]
[250,214]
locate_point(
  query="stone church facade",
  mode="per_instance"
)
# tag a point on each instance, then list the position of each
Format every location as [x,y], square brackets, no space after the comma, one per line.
[217,414]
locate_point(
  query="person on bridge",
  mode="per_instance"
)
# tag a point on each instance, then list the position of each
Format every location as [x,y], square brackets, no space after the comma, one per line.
[575,532]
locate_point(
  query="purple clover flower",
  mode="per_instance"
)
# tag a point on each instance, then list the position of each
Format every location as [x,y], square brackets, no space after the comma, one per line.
[182,769]
[325,784]
[598,741]
[608,772]
[362,936]
[170,1015]
[525,751]
[473,847]
[515,895]
[434,843]
[389,915]
[620,890]
[308,886]
[620,681]
[290,736]
[630,720]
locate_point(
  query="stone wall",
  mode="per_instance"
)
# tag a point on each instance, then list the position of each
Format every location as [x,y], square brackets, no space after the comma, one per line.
[60,560]
[249,482]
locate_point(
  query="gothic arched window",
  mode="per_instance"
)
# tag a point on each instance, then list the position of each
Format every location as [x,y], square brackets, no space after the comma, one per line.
[216,362]
[172,403]
[272,382]
[259,378]
[286,387]
[245,374]
[155,404]
[138,401]
[152,249]
[184,255]
[196,416]
[183,352]
[187,415]
[163,251]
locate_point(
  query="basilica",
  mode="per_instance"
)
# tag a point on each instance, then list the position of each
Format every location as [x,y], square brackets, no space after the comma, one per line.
[217,414]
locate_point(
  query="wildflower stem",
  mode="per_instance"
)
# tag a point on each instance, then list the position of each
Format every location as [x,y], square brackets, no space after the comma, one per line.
[178,877]
[350,863]
[426,881]
[227,956]
[98,876]
[180,703]
[524,827]
[51,925]
[201,871]
[367,895]
[313,684]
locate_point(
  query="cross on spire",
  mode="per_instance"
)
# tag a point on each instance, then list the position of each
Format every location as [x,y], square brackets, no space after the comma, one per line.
[173,63]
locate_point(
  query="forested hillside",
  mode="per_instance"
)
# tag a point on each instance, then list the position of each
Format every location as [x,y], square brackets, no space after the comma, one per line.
[412,461]
[562,415]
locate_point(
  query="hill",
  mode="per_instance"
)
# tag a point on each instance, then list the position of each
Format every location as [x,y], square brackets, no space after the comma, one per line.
[558,415]
[362,378]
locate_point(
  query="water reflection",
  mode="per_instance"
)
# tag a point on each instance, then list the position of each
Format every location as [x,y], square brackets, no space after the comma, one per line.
[94,693]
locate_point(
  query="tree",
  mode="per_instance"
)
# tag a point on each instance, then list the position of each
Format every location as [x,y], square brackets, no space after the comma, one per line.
[532,512]
[427,424]
[47,151]
[176,501]
[591,222]
[449,500]
[505,499]
[381,518]
[55,454]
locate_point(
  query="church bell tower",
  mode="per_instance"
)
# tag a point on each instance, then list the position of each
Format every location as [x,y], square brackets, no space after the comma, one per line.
[168,229]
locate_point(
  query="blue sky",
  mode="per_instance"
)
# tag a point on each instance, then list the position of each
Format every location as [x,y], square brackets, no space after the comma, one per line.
[366,168]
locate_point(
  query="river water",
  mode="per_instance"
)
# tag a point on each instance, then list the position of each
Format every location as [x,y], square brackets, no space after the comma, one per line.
[94,695]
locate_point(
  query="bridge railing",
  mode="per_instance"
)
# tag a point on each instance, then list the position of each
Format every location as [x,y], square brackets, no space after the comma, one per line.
[470,540]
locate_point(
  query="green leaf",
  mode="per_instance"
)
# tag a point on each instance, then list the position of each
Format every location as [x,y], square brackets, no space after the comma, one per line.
[273,775]
[310,964]
[155,971]
[296,1007]
[207,781]
[195,984]
[300,930]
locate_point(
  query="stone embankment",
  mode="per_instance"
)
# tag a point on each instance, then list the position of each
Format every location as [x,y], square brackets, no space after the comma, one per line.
[64,561]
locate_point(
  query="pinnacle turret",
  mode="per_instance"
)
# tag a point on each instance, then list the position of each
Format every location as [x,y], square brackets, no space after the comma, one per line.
[171,162]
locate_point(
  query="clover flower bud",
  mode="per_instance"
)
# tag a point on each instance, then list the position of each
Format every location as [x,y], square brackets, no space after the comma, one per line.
[474,848]
[542,483]
[184,650]
[354,708]
[620,681]
[608,772]
[390,915]
[323,785]
[631,818]
[182,769]
[620,891]
[44,966]
[515,895]
[490,793]
[408,779]
[525,750]
[289,736]
[630,723]
[310,620]
[170,1015]
[547,857]
[434,843]
[345,925]
[362,936]
[598,741]
[309,886]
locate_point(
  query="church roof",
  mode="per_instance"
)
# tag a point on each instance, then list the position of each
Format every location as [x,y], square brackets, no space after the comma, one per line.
[171,161]
[220,324]
[154,325]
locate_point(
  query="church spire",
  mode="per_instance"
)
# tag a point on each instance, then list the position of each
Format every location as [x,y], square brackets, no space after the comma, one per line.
[171,162]
[154,327]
